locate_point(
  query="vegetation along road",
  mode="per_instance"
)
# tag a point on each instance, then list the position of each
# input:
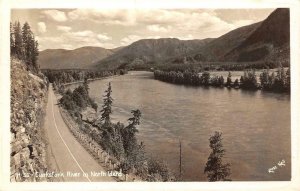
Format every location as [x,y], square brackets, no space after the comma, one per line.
[71,158]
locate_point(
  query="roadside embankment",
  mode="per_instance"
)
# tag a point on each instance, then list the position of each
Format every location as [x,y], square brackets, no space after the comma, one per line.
[28,141]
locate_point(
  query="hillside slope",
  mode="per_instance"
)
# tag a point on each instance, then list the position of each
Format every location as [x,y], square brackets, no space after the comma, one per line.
[149,51]
[81,58]
[28,144]
[218,48]
[269,42]
[263,41]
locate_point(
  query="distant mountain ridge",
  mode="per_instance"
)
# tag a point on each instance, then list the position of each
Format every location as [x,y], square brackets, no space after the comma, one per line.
[268,40]
[80,58]
[149,51]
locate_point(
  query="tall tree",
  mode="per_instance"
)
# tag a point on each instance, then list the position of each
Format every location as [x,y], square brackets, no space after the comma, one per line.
[86,84]
[12,40]
[27,42]
[18,46]
[107,104]
[229,81]
[135,120]
[128,133]
[215,169]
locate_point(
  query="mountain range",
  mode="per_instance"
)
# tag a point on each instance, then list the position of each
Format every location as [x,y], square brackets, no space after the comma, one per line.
[268,40]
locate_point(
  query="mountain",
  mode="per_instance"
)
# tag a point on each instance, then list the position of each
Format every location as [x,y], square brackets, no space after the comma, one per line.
[81,58]
[149,51]
[270,41]
[266,41]
[218,48]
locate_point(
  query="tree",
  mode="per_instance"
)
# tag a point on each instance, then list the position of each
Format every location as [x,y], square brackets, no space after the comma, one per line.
[215,169]
[135,120]
[12,40]
[265,79]
[249,80]
[205,78]
[18,45]
[23,45]
[86,84]
[236,83]
[27,42]
[107,104]
[229,81]
[128,133]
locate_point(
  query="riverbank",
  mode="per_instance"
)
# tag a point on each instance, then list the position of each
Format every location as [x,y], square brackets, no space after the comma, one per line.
[266,80]
[91,79]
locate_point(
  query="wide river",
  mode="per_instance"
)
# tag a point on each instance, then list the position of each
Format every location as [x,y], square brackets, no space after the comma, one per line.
[255,124]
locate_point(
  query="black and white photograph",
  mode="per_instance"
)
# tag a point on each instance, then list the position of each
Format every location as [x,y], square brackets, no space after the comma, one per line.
[162,95]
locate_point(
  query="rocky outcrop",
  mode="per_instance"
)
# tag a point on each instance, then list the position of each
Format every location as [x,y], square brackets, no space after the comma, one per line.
[28,142]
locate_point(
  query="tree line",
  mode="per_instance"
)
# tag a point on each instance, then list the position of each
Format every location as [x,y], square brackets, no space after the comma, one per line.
[278,81]
[60,77]
[77,100]
[23,44]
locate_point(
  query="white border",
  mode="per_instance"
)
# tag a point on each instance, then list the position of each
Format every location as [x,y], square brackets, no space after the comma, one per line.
[6,5]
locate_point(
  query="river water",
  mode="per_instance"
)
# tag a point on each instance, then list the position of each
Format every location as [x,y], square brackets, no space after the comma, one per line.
[255,124]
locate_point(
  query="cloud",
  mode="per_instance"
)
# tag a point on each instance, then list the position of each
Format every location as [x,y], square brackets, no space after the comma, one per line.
[56,15]
[104,16]
[158,28]
[199,22]
[104,37]
[63,28]
[42,27]
[74,39]
[84,34]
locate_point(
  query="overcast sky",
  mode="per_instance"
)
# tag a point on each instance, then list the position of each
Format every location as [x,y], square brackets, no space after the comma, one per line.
[74,28]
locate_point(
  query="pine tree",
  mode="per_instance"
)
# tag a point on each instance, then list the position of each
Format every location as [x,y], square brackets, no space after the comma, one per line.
[12,40]
[35,53]
[229,81]
[107,104]
[86,84]
[135,120]
[18,46]
[215,169]
[128,133]
[27,42]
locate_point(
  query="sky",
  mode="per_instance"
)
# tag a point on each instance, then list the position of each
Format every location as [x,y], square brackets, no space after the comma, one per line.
[112,28]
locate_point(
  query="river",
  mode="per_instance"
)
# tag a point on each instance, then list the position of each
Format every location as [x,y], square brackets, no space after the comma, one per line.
[255,124]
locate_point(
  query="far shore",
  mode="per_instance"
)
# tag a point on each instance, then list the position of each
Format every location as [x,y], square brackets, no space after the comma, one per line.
[90,79]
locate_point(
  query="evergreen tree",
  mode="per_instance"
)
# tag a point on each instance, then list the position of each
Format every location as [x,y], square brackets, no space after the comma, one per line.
[86,84]
[236,83]
[35,53]
[18,45]
[129,131]
[107,104]
[205,78]
[23,45]
[229,81]
[12,40]
[265,79]
[215,169]
[27,42]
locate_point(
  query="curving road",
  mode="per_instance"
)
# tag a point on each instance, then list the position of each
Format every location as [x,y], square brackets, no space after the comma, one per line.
[71,159]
